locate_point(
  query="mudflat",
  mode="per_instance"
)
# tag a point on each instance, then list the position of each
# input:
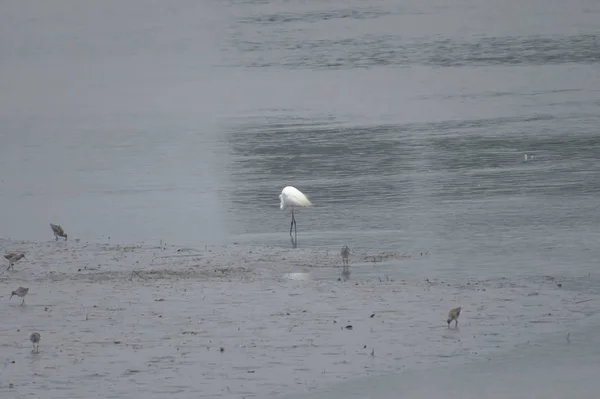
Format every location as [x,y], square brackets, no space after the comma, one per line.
[235,321]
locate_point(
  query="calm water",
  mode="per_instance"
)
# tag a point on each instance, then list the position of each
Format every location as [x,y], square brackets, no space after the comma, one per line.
[406,124]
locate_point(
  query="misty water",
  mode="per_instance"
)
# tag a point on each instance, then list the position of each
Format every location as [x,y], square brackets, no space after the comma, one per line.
[464,130]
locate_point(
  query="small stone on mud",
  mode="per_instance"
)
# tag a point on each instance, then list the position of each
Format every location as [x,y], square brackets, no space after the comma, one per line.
[349,327]
[222,349]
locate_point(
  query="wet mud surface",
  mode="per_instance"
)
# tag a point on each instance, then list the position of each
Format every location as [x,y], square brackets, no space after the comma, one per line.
[236,321]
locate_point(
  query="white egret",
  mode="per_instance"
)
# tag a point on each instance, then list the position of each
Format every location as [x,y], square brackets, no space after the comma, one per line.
[291,197]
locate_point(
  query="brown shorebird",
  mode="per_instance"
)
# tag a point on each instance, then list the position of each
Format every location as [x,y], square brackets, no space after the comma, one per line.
[35,339]
[20,292]
[345,254]
[13,257]
[453,316]
[58,231]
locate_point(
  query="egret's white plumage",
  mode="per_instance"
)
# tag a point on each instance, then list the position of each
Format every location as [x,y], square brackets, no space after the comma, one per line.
[291,197]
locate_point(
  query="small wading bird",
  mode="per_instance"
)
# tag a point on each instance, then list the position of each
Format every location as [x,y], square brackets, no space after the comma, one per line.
[291,197]
[453,316]
[345,254]
[13,257]
[58,231]
[35,339]
[20,292]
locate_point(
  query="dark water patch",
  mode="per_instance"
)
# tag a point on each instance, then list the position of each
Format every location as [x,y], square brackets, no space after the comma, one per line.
[487,166]
[349,157]
[372,50]
[358,13]
[457,158]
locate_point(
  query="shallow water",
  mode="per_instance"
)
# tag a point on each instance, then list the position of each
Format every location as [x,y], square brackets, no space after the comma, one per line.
[407,126]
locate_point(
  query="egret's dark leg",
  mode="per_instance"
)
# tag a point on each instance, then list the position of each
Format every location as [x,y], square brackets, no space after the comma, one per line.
[295,232]
[292,226]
